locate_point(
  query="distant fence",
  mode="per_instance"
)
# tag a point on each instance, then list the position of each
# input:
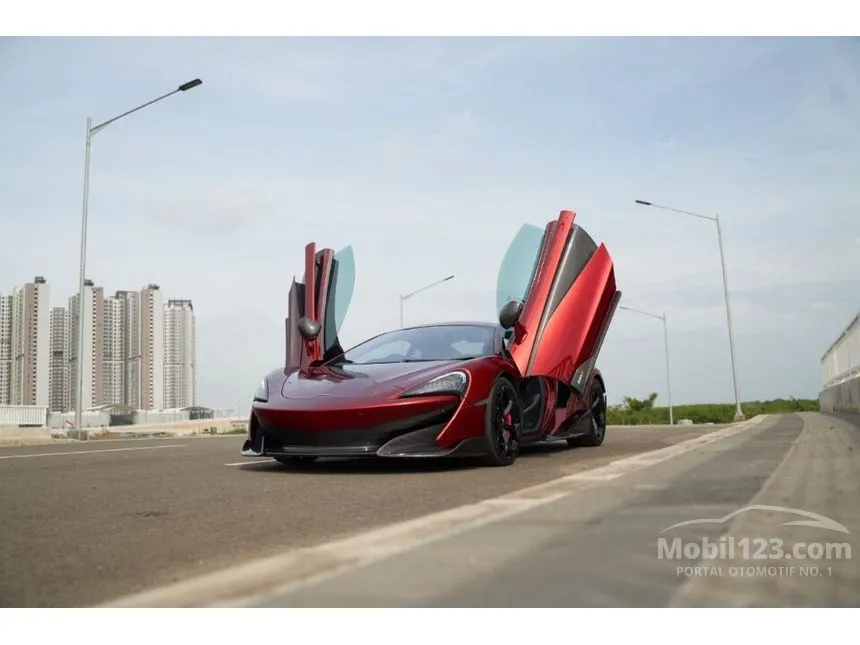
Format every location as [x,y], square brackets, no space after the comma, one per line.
[24,416]
[840,372]
[38,416]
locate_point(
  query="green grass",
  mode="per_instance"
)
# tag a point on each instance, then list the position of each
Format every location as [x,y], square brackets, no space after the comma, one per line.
[639,412]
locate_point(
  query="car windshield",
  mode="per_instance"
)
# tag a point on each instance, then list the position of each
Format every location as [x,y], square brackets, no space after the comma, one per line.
[435,343]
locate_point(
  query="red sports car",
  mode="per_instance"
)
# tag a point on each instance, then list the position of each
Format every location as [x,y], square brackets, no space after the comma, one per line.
[460,389]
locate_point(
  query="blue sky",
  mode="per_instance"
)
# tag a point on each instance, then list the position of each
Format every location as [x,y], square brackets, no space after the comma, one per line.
[427,155]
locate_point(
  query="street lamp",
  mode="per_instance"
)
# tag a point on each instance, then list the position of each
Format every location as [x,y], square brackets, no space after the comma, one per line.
[92,130]
[666,342]
[739,414]
[406,297]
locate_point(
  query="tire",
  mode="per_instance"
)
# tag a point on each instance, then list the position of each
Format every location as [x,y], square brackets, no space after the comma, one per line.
[502,423]
[597,404]
[295,460]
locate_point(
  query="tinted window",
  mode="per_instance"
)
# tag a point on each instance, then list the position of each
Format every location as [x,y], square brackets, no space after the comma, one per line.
[345,284]
[340,294]
[437,343]
[518,265]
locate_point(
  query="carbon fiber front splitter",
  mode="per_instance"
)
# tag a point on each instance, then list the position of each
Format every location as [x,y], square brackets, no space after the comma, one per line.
[416,444]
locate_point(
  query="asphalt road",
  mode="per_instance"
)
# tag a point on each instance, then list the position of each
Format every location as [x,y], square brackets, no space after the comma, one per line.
[87,522]
[787,488]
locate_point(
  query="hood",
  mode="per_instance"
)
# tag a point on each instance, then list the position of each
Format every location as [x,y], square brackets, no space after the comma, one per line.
[361,381]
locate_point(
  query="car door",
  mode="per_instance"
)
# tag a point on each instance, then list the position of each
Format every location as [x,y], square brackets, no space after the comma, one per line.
[566,284]
[322,297]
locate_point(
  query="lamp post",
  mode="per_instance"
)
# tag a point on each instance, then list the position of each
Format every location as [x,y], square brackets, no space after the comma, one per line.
[666,343]
[92,130]
[406,297]
[739,414]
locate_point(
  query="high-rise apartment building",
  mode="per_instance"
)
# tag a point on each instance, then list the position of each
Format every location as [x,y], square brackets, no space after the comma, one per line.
[30,350]
[180,373]
[58,383]
[114,352]
[5,349]
[130,315]
[151,348]
[138,350]
[122,359]
[93,363]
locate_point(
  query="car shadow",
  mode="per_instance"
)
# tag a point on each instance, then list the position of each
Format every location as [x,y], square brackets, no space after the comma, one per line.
[392,465]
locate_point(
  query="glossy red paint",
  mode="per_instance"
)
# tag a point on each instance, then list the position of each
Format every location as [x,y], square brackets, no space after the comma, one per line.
[312,351]
[571,333]
[294,343]
[569,305]
[328,399]
[468,421]
[346,413]
[541,282]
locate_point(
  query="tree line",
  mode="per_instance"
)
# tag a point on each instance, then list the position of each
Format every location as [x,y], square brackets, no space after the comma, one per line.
[632,411]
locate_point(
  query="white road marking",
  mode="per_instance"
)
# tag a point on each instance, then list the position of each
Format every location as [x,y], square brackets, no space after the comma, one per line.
[87,452]
[255,580]
[251,462]
[593,476]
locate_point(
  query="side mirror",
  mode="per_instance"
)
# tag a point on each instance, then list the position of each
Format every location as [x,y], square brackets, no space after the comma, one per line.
[309,329]
[510,314]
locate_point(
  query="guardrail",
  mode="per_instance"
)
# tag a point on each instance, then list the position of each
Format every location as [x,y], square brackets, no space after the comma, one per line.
[840,372]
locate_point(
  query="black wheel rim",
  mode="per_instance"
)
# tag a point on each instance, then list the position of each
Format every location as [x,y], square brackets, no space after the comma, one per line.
[598,413]
[508,418]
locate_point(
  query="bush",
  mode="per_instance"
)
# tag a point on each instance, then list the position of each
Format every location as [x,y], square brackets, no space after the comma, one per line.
[643,412]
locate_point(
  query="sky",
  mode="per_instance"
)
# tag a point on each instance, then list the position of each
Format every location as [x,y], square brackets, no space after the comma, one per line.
[427,155]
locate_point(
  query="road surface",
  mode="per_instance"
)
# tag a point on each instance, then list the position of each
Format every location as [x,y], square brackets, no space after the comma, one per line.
[118,518]
[89,521]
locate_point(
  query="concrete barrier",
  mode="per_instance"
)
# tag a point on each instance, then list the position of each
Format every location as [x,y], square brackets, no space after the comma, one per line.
[840,372]
[841,397]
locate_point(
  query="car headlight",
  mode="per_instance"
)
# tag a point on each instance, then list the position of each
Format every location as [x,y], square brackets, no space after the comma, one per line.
[261,394]
[450,383]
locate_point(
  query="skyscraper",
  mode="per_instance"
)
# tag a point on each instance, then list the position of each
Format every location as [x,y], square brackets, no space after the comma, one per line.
[180,370]
[130,307]
[93,323]
[151,348]
[114,351]
[5,349]
[30,351]
[58,383]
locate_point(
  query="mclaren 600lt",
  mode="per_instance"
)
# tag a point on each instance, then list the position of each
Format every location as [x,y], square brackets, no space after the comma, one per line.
[459,389]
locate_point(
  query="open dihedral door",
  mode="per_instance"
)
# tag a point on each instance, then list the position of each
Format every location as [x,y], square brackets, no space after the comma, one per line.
[317,306]
[566,284]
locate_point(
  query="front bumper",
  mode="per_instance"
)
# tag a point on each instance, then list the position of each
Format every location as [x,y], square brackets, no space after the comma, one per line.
[412,437]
